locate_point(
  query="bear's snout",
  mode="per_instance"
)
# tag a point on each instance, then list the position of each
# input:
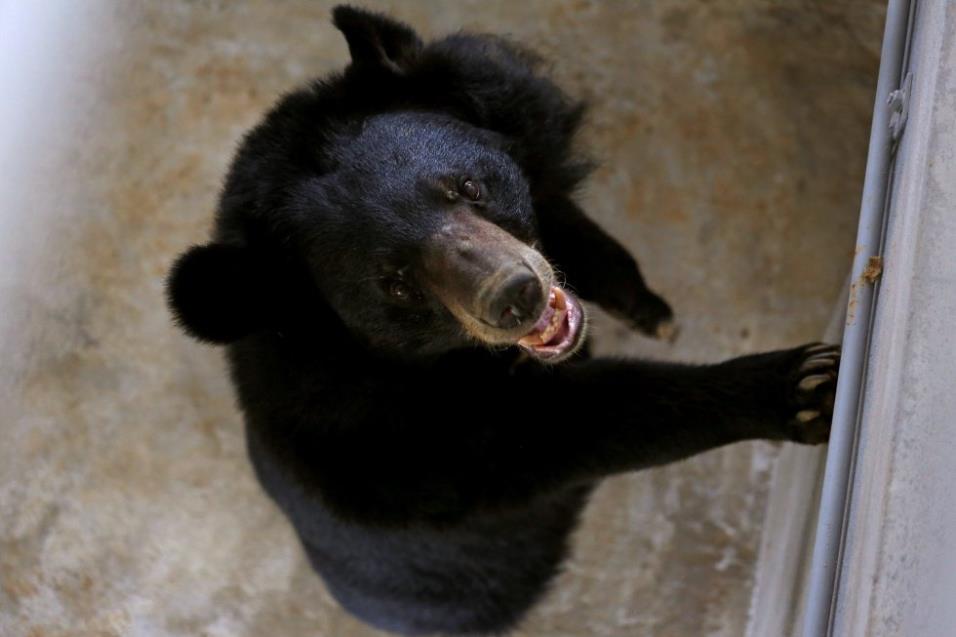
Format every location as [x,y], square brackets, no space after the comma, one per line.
[494,284]
[518,301]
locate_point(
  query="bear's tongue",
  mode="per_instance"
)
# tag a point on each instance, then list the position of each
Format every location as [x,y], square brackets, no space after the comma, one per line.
[554,329]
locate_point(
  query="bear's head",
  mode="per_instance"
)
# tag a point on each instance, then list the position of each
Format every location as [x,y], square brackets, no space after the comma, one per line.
[414,228]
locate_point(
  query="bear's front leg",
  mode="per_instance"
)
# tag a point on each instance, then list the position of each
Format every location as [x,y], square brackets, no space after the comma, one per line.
[463,437]
[646,414]
[599,269]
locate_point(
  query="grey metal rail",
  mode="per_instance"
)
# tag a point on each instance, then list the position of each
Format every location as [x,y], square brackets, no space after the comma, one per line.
[824,568]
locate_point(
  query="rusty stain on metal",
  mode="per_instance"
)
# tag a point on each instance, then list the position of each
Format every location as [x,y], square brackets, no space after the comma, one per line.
[873,270]
[851,304]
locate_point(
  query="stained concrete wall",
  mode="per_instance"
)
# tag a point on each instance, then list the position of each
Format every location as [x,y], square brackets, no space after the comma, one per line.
[732,138]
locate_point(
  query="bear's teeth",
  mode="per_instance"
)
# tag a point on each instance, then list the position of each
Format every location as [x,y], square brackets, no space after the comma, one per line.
[550,323]
[556,321]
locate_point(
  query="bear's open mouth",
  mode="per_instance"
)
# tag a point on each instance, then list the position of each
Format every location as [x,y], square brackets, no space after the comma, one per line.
[557,333]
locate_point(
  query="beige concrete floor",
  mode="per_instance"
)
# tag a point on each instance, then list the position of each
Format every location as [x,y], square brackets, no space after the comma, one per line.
[732,137]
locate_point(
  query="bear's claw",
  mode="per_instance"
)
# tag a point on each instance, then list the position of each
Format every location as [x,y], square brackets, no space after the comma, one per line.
[814,383]
[649,314]
[667,330]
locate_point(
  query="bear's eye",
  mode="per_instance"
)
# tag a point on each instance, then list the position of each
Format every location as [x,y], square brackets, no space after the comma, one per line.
[400,290]
[470,190]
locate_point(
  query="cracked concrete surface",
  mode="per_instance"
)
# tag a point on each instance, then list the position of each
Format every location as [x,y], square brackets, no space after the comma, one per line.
[732,138]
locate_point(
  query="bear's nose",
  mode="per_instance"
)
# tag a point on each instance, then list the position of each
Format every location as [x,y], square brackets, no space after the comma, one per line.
[517,301]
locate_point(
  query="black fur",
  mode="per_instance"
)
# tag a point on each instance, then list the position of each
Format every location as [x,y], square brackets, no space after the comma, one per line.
[434,482]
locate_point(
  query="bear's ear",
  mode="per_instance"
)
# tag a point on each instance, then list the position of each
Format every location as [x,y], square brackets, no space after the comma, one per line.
[219,293]
[377,40]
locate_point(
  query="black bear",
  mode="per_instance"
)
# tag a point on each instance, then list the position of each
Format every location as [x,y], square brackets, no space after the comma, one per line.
[417,399]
